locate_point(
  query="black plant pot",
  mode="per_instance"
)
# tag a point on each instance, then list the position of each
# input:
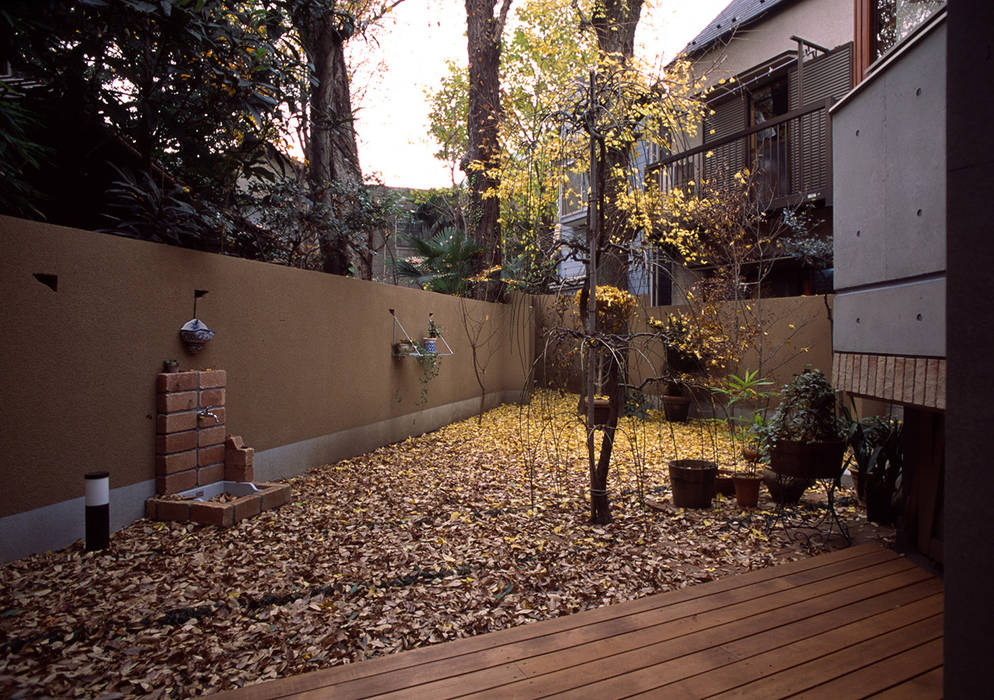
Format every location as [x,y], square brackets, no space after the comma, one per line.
[808,460]
[676,408]
[692,482]
[879,506]
[785,489]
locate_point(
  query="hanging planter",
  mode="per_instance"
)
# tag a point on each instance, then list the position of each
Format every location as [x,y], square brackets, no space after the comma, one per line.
[195,335]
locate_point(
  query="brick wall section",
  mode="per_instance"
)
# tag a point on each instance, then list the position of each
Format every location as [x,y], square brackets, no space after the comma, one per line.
[189,448]
[238,460]
[913,381]
[220,514]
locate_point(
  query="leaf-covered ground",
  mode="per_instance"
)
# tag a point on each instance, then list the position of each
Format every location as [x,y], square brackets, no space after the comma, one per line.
[473,528]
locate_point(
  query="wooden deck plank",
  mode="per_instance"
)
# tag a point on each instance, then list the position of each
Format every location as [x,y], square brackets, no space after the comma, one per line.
[794,571]
[767,658]
[849,659]
[799,618]
[723,647]
[339,674]
[885,673]
[540,655]
[922,687]
[755,656]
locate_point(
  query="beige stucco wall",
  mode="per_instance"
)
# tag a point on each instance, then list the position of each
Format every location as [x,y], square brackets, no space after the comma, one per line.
[798,333]
[307,354]
[826,22]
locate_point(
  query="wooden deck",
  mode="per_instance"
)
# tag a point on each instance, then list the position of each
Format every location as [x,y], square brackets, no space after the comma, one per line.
[852,623]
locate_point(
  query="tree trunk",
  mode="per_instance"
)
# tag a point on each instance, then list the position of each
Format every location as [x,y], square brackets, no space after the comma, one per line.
[482,162]
[331,147]
[600,504]
[614,25]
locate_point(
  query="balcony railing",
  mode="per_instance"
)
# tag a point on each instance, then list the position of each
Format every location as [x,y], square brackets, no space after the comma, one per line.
[789,156]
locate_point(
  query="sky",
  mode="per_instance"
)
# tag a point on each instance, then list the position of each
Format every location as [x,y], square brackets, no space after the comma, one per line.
[408,58]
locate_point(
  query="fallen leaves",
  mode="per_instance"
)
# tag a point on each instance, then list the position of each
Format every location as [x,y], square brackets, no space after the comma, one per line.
[470,529]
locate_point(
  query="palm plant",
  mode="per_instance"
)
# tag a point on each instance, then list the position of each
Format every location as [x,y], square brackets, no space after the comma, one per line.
[442,263]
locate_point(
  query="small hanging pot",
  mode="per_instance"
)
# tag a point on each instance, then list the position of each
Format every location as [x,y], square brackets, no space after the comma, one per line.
[195,335]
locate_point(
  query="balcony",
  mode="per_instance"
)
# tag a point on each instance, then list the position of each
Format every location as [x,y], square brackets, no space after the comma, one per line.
[790,156]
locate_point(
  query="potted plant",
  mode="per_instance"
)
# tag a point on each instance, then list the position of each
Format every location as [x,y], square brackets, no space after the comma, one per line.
[749,388]
[430,341]
[170,366]
[681,360]
[876,449]
[747,481]
[804,436]
[404,348]
[615,308]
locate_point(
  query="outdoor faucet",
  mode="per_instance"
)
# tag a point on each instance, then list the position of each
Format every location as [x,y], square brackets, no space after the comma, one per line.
[208,412]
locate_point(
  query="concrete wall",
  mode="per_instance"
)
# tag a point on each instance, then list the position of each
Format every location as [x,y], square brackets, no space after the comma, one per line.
[825,22]
[308,359]
[889,149]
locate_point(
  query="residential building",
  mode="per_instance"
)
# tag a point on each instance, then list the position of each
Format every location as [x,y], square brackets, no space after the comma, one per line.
[773,68]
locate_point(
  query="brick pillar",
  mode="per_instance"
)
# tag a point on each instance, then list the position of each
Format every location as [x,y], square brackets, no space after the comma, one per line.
[189,448]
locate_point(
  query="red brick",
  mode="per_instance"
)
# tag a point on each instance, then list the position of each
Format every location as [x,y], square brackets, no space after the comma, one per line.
[236,453]
[181,401]
[210,455]
[221,514]
[234,472]
[211,397]
[274,495]
[247,506]
[909,380]
[878,390]
[174,483]
[244,457]
[212,379]
[177,381]
[175,422]
[209,422]
[150,508]
[210,436]
[175,442]
[172,510]
[898,379]
[170,464]
[208,475]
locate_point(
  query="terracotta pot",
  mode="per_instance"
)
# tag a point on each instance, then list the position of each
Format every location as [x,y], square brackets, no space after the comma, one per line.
[808,460]
[692,482]
[676,408]
[747,490]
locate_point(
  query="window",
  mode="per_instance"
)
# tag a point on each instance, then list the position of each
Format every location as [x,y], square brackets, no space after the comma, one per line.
[895,19]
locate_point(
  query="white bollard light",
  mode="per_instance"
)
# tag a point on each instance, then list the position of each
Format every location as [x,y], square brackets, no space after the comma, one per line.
[97,510]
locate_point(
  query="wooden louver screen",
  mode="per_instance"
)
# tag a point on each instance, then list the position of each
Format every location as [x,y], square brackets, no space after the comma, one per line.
[729,117]
[828,76]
